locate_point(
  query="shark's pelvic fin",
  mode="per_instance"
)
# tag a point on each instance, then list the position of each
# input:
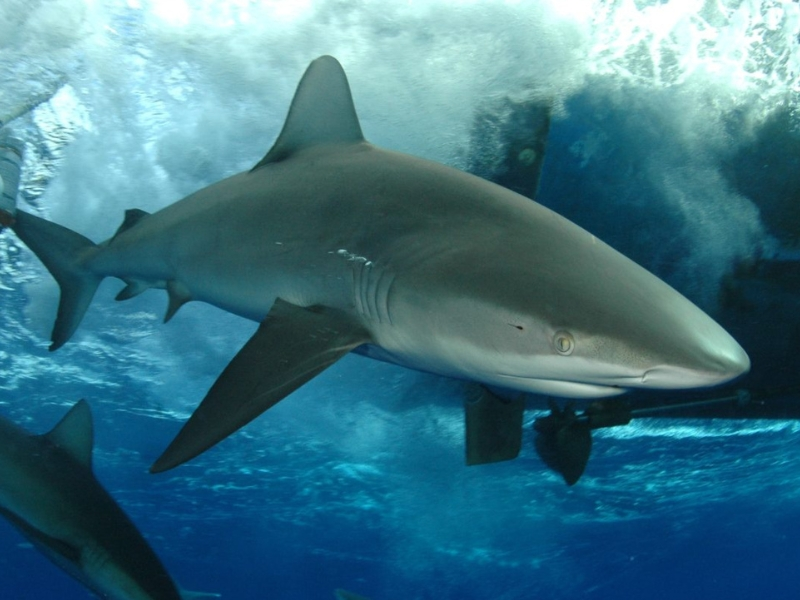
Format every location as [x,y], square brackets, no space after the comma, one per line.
[61,250]
[322,112]
[74,433]
[178,296]
[493,428]
[292,345]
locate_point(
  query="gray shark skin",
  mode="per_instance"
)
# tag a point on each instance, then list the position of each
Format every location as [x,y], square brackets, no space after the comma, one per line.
[334,245]
[49,492]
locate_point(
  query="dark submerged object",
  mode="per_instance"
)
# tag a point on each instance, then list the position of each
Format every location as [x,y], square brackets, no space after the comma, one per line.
[563,438]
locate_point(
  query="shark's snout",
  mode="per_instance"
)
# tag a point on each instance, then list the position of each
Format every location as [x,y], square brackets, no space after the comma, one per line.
[713,362]
[726,359]
[732,361]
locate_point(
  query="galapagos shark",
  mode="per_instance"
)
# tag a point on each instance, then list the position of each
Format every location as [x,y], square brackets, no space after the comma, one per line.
[49,492]
[333,244]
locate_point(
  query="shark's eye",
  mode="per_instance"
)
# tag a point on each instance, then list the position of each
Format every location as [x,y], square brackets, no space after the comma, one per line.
[563,342]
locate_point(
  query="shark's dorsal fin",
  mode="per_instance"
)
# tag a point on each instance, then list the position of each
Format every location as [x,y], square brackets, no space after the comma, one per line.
[74,433]
[322,112]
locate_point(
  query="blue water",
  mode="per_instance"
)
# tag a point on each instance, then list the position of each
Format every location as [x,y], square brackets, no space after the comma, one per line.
[683,157]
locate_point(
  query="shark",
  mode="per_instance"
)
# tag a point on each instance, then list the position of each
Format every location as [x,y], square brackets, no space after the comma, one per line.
[49,492]
[334,245]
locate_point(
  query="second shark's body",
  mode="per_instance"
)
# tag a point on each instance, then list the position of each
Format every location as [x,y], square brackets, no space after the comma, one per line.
[49,492]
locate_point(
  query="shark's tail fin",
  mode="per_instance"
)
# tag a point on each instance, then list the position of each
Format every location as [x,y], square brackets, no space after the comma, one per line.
[61,250]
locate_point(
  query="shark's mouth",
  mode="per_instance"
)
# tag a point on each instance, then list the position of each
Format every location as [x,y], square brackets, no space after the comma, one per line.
[663,377]
[564,387]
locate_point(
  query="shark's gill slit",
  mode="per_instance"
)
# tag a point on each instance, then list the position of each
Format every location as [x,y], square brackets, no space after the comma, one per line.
[385,294]
[371,285]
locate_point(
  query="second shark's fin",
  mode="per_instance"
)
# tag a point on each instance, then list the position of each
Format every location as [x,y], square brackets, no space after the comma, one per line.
[493,428]
[292,345]
[322,112]
[74,433]
[61,250]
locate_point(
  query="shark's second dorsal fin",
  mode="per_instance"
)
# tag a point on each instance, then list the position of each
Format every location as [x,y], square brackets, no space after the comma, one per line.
[322,112]
[74,433]
[132,217]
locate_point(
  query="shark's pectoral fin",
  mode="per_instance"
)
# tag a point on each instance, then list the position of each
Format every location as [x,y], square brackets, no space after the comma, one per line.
[61,553]
[493,428]
[291,346]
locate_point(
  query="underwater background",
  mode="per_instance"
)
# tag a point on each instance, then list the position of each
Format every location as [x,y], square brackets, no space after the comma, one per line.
[675,137]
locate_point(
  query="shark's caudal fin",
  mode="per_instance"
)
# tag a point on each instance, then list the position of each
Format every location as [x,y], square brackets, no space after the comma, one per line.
[322,112]
[292,345]
[61,250]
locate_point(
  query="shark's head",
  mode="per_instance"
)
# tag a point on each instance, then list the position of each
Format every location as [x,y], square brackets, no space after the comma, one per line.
[560,312]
